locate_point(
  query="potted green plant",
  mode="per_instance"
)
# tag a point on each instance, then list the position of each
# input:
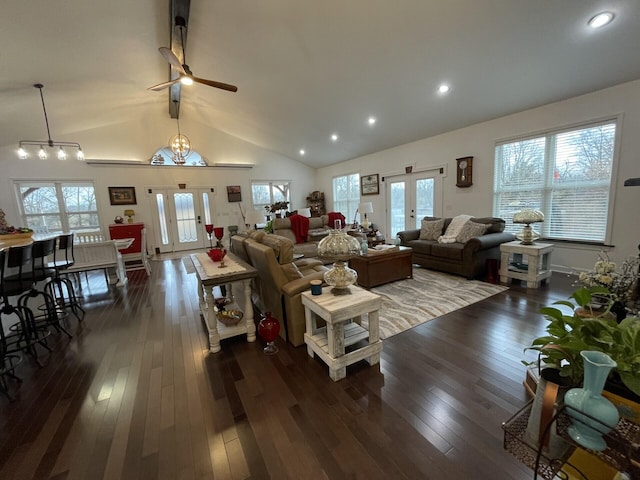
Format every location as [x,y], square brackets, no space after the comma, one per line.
[586,328]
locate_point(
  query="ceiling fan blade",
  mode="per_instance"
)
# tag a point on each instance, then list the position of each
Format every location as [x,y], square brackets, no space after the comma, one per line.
[172,59]
[211,83]
[162,86]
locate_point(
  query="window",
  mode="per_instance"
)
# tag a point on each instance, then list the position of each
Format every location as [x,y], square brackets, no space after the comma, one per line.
[269,192]
[58,206]
[346,195]
[565,174]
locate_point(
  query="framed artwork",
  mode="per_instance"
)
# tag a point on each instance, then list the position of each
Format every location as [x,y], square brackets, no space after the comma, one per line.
[234,194]
[370,184]
[122,195]
[464,172]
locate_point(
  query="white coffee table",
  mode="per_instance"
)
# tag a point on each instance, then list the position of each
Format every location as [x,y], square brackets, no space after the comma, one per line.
[343,315]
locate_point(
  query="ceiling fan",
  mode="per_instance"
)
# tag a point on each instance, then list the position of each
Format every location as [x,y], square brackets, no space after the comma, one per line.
[186,76]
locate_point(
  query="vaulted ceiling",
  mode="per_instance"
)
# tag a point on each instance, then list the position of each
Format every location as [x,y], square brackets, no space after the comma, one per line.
[306,70]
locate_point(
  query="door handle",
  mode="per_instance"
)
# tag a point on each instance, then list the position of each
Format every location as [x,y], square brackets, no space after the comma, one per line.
[199,219]
[412,214]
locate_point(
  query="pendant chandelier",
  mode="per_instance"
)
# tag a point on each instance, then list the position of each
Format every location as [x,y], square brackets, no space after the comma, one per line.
[42,153]
[179,145]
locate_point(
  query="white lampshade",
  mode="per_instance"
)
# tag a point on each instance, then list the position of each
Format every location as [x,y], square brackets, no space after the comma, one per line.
[305,212]
[365,207]
[254,216]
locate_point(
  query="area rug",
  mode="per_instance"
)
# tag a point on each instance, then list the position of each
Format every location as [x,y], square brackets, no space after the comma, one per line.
[428,295]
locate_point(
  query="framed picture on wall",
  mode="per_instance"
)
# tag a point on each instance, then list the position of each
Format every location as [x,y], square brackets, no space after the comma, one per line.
[122,195]
[234,194]
[370,184]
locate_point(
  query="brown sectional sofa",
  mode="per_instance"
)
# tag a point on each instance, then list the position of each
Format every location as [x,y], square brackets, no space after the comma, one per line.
[318,229]
[281,280]
[466,259]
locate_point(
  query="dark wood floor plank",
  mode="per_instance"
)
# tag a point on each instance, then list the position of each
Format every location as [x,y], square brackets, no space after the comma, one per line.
[136,394]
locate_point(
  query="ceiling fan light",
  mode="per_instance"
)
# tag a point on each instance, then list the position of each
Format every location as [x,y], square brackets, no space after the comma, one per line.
[42,155]
[186,80]
[22,153]
[62,155]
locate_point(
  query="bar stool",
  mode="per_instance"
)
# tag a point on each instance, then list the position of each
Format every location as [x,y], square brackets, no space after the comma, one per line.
[24,334]
[50,315]
[60,287]
[8,361]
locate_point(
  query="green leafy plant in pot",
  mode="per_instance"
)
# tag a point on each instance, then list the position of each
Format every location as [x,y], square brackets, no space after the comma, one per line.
[587,328]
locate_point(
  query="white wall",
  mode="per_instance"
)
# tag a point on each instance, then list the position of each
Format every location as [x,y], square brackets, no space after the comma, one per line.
[138,140]
[479,141]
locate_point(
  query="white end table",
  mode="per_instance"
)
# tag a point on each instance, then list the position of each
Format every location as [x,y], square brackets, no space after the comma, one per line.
[338,311]
[536,268]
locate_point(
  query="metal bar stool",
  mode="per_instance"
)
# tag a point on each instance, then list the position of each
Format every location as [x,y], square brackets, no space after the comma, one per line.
[8,361]
[60,287]
[24,335]
[49,314]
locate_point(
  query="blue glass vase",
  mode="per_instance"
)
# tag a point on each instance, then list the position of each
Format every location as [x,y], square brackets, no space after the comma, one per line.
[601,415]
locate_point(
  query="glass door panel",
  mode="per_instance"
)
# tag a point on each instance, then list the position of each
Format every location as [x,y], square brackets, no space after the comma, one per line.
[412,197]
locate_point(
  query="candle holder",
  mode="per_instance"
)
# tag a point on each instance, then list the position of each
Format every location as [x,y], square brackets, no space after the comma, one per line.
[219,233]
[209,229]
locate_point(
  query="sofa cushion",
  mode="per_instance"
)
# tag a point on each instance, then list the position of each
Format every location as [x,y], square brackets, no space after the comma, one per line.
[451,251]
[431,229]
[291,271]
[256,235]
[471,229]
[422,247]
[496,225]
[282,247]
[317,234]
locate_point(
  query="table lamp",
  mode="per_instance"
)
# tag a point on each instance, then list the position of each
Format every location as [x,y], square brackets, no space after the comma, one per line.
[129,213]
[305,212]
[528,216]
[252,218]
[364,208]
[338,247]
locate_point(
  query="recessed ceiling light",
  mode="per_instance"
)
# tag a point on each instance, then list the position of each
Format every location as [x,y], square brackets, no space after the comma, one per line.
[371,120]
[334,137]
[601,19]
[442,89]
[302,152]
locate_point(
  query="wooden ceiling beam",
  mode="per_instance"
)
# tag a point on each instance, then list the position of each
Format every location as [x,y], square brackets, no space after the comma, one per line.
[178,8]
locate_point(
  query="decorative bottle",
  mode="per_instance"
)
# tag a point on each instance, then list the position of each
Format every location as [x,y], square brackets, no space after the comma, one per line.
[268,329]
[364,246]
[599,415]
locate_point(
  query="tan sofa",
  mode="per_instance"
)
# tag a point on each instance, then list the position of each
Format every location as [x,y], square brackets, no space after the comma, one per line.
[280,280]
[318,229]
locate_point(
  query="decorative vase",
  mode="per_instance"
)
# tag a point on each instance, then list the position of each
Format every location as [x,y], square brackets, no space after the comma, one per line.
[268,329]
[541,427]
[592,415]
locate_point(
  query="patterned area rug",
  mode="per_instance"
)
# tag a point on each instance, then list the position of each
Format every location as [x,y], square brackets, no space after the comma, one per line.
[427,295]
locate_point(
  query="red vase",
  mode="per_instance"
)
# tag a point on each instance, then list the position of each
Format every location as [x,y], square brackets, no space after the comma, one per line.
[268,329]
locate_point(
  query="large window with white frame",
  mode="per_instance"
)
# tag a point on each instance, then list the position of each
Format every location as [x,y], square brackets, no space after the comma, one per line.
[60,206]
[567,174]
[346,195]
[268,192]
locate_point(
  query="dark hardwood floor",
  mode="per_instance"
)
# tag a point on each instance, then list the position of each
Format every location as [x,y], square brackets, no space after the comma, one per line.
[136,395]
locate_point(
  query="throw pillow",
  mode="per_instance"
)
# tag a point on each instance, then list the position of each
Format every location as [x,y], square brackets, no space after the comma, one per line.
[470,230]
[431,229]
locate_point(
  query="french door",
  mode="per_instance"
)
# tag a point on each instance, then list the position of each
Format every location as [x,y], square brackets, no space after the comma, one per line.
[180,218]
[412,197]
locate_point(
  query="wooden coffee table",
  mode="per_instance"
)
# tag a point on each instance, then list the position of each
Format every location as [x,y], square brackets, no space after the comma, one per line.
[377,268]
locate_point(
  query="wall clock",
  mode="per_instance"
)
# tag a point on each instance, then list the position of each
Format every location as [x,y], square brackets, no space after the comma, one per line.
[464,172]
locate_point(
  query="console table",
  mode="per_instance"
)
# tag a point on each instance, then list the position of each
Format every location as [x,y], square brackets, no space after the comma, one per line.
[209,276]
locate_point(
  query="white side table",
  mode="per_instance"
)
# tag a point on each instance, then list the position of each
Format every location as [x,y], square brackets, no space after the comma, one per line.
[525,262]
[338,311]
